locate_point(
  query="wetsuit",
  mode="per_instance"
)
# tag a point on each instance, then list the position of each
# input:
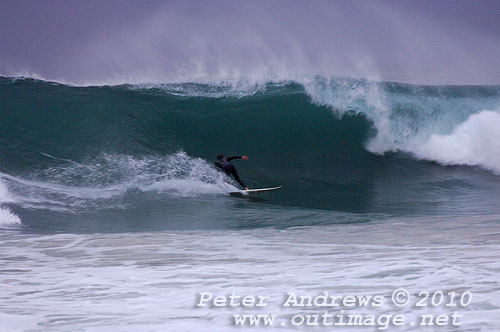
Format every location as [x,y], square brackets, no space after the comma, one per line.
[225,166]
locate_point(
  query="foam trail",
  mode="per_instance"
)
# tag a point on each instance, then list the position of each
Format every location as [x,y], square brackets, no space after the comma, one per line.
[102,183]
[474,143]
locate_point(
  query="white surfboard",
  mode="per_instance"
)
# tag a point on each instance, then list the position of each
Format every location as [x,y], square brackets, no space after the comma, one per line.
[253,191]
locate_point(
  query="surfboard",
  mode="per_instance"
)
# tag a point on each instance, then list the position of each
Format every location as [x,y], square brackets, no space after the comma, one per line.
[253,191]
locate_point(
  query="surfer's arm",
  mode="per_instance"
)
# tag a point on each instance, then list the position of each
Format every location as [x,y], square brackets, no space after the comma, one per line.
[237,157]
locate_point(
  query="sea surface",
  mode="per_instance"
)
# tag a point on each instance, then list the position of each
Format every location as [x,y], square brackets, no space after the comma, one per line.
[113,218]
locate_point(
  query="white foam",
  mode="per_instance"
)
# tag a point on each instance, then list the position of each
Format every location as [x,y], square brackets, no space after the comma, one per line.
[475,142]
[151,281]
[7,217]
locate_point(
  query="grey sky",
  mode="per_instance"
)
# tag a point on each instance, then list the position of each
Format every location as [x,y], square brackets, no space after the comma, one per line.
[87,42]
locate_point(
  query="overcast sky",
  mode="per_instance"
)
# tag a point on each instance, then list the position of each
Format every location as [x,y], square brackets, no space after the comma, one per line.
[97,42]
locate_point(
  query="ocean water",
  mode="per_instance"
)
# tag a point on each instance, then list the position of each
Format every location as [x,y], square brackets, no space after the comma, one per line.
[113,218]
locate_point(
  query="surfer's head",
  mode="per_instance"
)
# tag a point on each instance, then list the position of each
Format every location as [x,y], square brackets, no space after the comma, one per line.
[220,156]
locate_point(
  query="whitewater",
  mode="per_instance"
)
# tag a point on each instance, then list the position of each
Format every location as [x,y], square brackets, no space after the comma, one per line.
[112,215]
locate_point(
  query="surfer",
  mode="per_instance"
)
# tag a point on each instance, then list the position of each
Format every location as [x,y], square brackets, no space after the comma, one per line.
[223,165]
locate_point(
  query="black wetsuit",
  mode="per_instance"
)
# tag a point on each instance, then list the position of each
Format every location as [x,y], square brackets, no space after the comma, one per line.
[225,166]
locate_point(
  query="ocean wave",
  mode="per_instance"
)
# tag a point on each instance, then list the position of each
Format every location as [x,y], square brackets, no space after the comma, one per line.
[327,116]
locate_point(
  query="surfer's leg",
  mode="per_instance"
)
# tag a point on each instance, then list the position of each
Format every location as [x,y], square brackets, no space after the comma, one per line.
[237,177]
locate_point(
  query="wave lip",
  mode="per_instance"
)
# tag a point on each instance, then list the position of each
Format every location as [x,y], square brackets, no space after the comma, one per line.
[473,143]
